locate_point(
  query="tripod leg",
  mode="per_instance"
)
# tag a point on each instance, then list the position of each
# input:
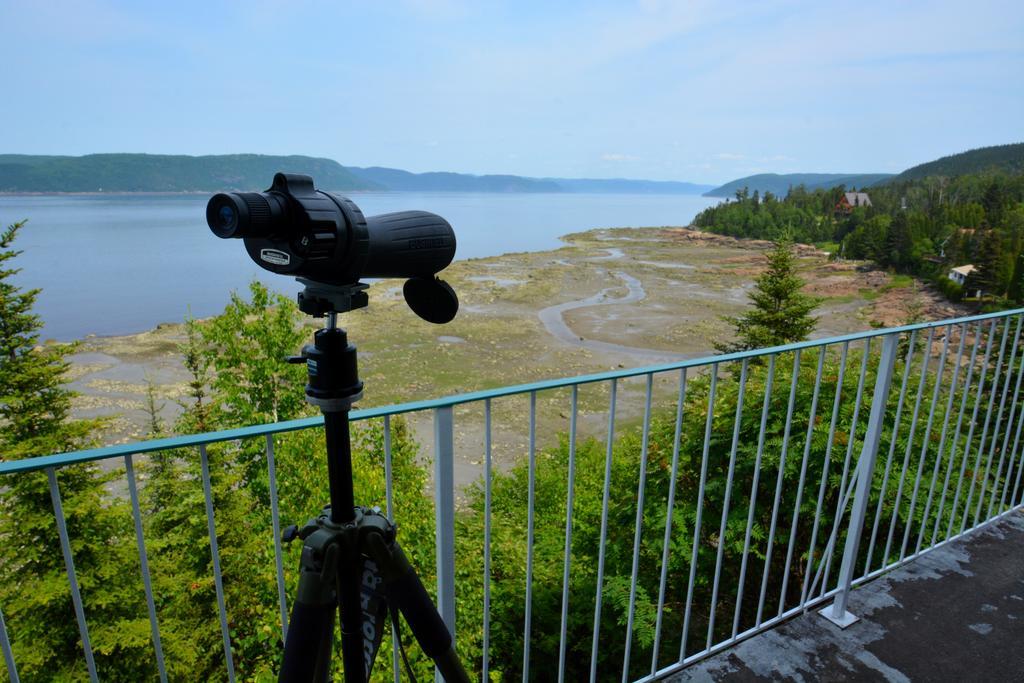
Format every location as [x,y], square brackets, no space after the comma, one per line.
[307,651]
[355,660]
[406,592]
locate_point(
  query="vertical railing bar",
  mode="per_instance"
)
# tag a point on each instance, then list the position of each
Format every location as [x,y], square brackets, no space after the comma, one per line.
[778,487]
[843,354]
[1013,452]
[444,517]
[803,477]
[984,432]
[69,565]
[640,491]
[866,467]
[669,509]
[530,505]
[999,421]
[956,433]
[1016,484]
[604,529]
[569,503]
[389,499]
[741,396]
[753,490]
[5,647]
[708,423]
[594,647]
[218,580]
[840,503]
[844,498]
[485,654]
[1009,428]
[925,441]
[926,358]
[908,361]
[1020,462]
[970,431]
[942,439]
[389,502]
[147,583]
[275,521]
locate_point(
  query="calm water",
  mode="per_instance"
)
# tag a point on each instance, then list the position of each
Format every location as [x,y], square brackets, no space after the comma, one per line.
[121,264]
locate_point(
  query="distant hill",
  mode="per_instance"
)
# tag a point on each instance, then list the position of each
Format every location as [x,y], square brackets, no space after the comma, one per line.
[165,173]
[254,172]
[623,185]
[779,184]
[395,179]
[399,180]
[1004,158]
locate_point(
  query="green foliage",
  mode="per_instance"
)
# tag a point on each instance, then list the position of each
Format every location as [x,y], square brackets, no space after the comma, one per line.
[921,226]
[780,314]
[34,420]
[768,219]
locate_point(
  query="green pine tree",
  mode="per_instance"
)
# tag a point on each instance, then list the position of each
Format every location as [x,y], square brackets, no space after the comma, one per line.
[990,276]
[35,407]
[781,314]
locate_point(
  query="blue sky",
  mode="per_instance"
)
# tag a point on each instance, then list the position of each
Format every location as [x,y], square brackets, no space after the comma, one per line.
[698,91]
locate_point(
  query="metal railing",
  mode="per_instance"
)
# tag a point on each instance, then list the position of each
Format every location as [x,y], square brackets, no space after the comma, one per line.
[730,487]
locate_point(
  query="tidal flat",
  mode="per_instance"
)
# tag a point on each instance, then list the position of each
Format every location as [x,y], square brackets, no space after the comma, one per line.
[608,299]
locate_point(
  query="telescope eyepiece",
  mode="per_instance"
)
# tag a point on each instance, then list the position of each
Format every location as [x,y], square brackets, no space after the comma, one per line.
[243,214]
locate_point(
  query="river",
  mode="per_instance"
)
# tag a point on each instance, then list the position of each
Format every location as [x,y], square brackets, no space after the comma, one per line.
[121,264]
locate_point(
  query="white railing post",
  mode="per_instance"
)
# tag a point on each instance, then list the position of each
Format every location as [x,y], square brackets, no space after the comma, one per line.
[444,515]
[836,612]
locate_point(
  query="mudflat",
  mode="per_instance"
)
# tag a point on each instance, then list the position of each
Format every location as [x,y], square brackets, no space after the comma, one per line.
[608,298]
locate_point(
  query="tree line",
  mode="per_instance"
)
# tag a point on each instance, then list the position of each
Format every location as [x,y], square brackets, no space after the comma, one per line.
[922,227]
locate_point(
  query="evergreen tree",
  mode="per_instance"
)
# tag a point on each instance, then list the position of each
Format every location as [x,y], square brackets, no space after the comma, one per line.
[781,314]
[990,276]
[899,242]
[1016,291]
[34,420]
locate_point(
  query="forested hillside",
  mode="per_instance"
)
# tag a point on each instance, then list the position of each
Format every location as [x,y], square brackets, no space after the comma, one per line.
[1000,158]
[166,173]
[21,173]
[922,227]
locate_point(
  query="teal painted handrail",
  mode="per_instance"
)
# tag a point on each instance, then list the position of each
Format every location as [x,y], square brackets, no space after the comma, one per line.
[195,440]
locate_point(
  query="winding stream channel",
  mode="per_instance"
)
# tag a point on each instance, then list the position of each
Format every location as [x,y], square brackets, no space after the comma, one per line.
[554,320]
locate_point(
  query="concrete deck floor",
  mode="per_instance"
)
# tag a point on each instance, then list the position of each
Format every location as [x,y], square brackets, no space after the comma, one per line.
[955,614]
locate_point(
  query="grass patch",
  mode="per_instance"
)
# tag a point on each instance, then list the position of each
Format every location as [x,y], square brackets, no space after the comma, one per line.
[899,281]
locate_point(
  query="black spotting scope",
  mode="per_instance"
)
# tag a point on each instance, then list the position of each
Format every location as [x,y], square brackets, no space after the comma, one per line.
[295,229]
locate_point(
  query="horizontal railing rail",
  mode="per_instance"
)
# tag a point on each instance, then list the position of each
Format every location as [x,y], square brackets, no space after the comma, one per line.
[693,504]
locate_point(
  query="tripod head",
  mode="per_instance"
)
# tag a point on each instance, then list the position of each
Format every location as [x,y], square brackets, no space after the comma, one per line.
[334,383]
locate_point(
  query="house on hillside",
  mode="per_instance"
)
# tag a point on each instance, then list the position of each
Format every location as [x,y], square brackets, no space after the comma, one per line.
[851,200]
[960,273]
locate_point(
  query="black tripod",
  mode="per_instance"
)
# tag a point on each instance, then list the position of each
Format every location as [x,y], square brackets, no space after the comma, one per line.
[350,558]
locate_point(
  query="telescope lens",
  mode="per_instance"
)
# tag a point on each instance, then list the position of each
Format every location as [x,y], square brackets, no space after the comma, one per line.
[227,218]
[225,214]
